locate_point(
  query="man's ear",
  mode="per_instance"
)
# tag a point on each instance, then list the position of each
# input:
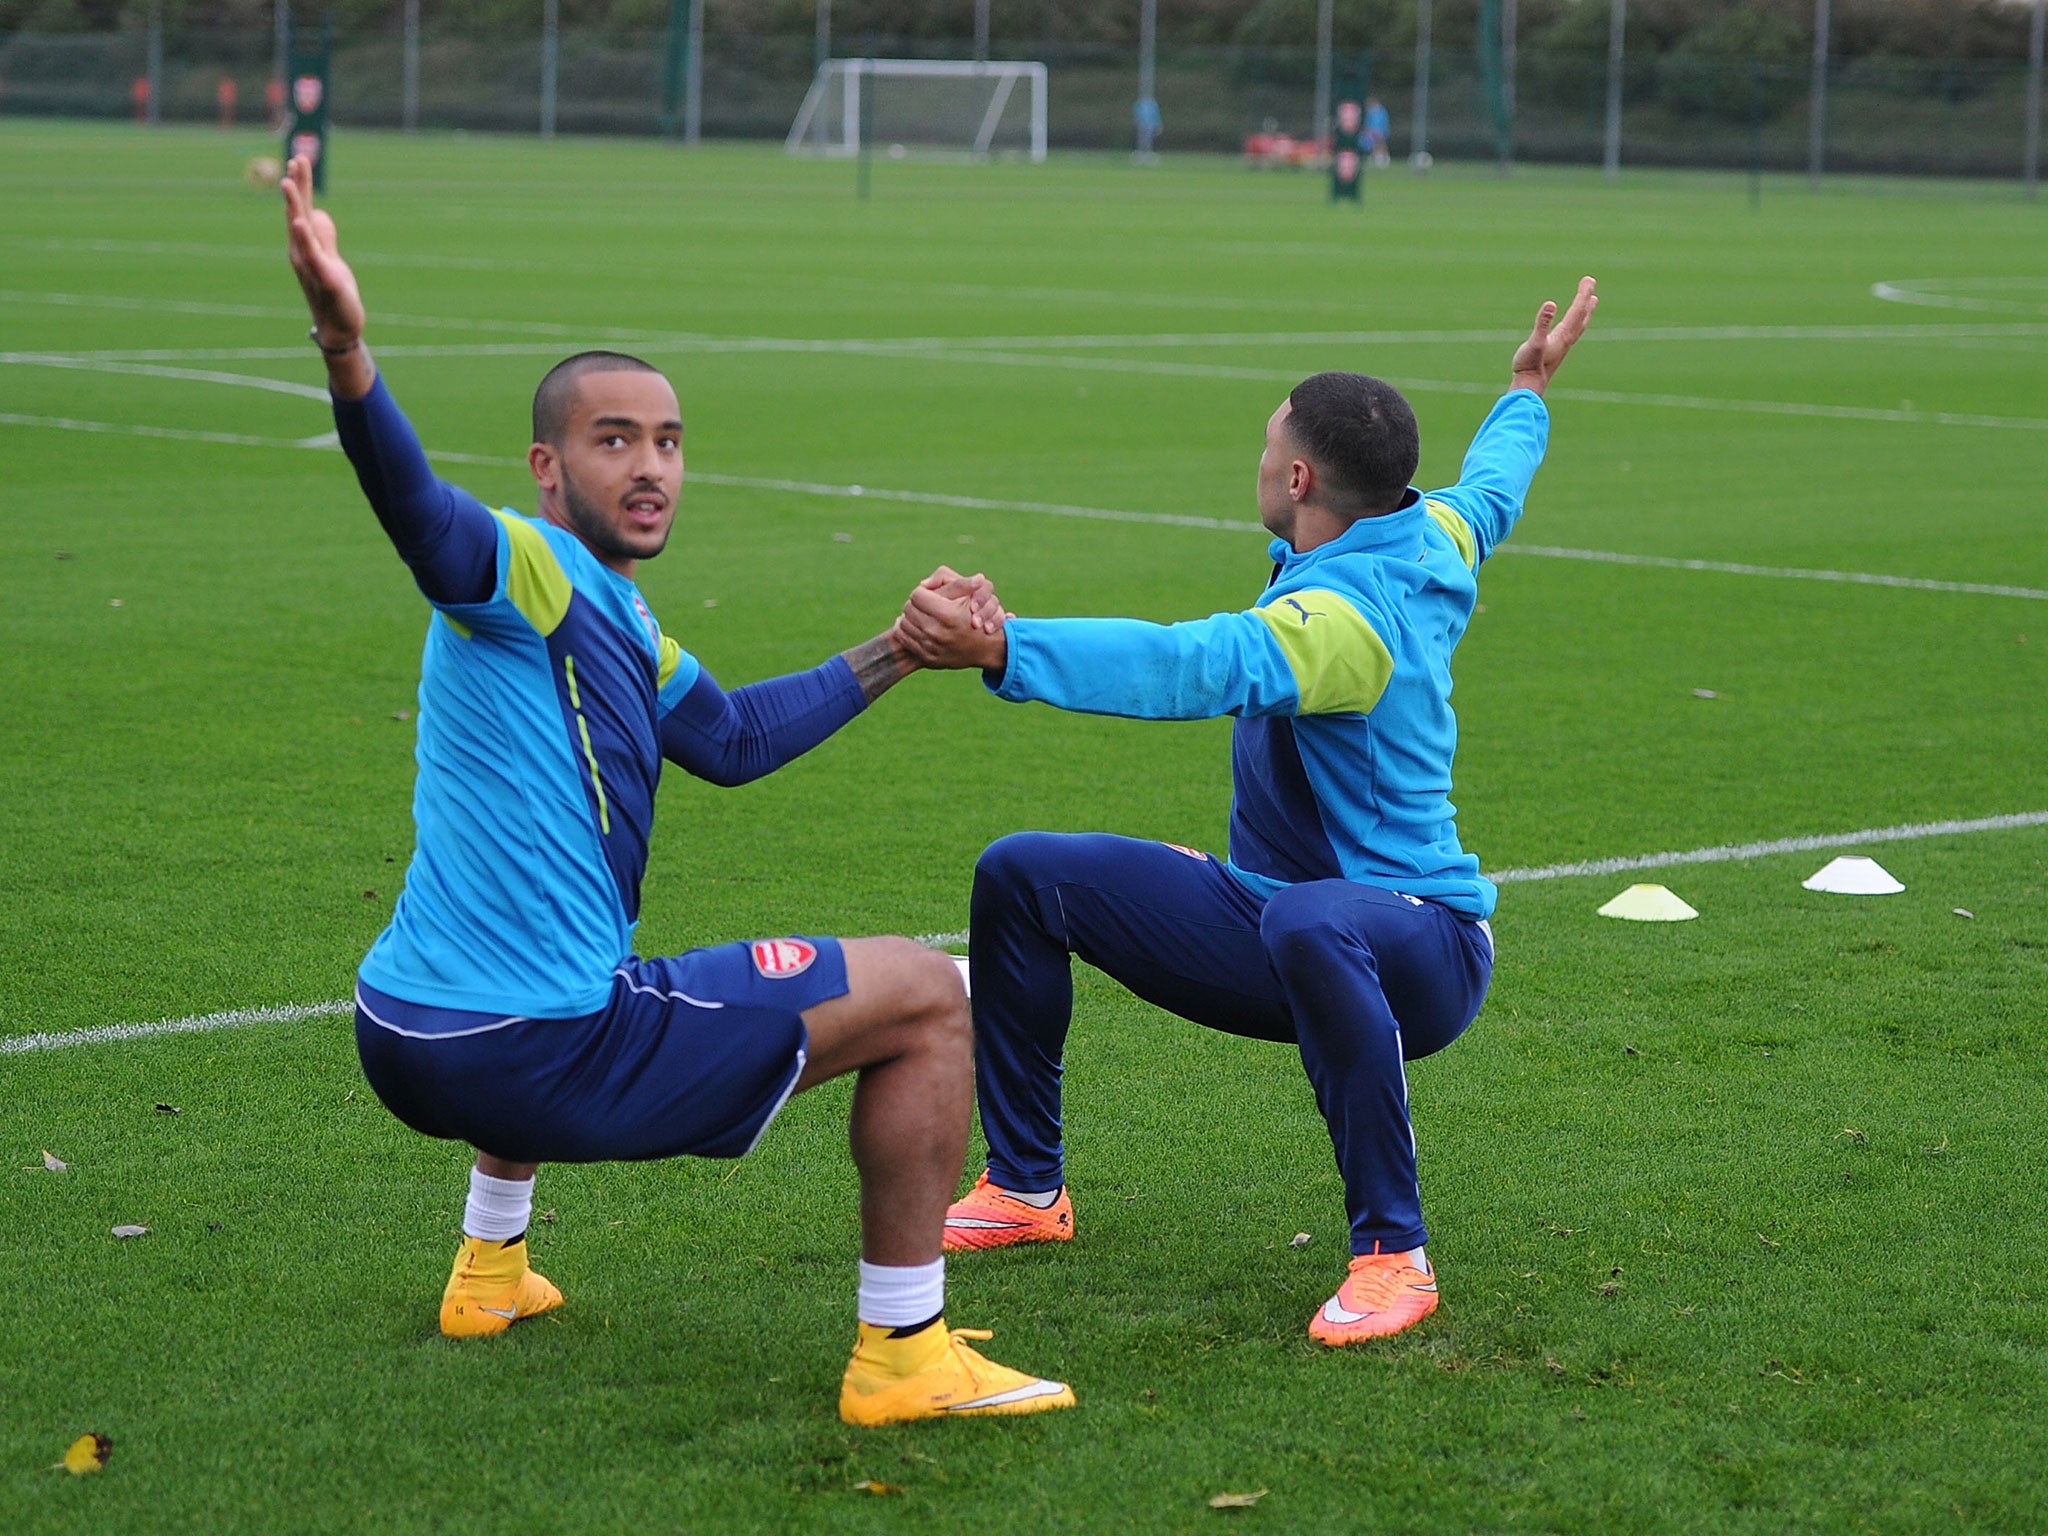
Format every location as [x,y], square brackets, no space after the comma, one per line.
[545,463]
[1301,480]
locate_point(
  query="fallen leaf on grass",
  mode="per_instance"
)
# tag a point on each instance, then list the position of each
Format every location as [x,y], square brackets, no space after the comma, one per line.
[1962,912]
[401,714]
[878,1489]
[169,1109]
[1300,1240]
[1854,1135]
[1235,1500]
[88,1453]
[1705,693]
[54,1163]
[130,1230]
[550,1217]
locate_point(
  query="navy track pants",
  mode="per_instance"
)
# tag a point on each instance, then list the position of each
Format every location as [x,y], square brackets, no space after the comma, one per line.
[1358,978]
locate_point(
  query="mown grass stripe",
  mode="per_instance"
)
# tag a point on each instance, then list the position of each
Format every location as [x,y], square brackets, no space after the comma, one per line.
[286,1013]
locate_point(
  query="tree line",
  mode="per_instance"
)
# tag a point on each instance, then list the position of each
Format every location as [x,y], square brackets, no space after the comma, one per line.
[1770,30]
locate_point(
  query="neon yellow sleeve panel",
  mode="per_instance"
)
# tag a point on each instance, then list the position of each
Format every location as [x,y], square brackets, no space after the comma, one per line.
[665,666]
[1446,517]
[535,581]
[1340,665]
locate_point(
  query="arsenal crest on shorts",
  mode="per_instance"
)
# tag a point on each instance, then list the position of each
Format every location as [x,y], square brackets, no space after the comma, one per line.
[775,958]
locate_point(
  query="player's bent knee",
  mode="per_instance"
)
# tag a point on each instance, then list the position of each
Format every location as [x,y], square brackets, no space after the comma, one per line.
[1013,864]
[1296,927]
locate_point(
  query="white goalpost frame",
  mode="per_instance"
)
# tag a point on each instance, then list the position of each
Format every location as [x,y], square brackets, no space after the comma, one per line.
[1003,73]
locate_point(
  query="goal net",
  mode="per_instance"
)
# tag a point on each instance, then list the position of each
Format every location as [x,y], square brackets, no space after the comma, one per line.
[927,105]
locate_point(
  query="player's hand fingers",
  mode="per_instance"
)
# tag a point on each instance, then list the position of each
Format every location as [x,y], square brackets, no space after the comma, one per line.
[1583,305]
[936,609]
[940,577]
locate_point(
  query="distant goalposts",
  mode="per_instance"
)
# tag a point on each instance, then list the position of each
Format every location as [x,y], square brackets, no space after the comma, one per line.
[963,105]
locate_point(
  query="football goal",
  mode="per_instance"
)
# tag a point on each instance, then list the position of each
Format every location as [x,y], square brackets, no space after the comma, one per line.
[956,105]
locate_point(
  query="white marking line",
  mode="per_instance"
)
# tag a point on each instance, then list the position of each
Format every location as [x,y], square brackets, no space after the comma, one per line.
[233,1018]
[160,371]
[1927,292]
[1732,852]
[1735,568]
[237,1018]
[328,441]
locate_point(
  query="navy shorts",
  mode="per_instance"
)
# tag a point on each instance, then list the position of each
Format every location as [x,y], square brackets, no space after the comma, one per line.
[693,1055]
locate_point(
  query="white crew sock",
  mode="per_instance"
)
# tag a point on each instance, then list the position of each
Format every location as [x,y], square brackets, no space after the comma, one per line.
[899,1295]
[1043,1202]
[497,1208]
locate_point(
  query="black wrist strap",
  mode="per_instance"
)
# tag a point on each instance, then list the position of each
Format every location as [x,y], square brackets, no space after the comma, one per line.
[313,335]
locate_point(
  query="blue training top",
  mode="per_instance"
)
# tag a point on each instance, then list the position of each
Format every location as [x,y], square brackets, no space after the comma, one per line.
[1340,678]
[549,697]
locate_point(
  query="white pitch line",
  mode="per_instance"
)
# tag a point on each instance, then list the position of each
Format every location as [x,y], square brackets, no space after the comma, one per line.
[1732,852]
[1735,568]
[162,371]
[233,1018]
[328,441]
[238,1018]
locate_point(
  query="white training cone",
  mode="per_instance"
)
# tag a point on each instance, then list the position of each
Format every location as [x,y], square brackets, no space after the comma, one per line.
[1648,904]
[1854,875]
[966,985]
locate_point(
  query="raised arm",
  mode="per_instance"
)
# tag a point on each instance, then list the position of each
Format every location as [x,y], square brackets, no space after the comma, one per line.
[443,533]
[1502,461]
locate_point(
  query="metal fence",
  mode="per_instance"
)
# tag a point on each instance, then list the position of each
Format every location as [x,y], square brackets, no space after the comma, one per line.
[1895,116]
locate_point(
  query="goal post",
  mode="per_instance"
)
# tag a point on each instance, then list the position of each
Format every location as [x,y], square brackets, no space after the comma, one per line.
[963,105]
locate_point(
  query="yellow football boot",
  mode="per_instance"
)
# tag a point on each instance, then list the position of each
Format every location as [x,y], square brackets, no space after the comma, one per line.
[490,1288]
[932,1375]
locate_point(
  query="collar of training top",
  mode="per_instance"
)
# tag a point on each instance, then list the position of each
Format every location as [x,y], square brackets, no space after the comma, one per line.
[1390,530]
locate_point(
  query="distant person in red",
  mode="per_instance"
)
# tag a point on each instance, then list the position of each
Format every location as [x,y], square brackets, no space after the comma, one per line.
[227,93]
[273,98]
[138,93]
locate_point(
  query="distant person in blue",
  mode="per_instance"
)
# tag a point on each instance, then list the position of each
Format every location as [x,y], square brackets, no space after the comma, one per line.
[1145,118]
[504,1006]
[1347,920]
[1377,126]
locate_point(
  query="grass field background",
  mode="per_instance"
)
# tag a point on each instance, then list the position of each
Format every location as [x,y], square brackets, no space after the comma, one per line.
[1740,1222]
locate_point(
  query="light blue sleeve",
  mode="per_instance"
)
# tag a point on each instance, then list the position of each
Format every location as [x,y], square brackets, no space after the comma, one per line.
[1228,664]
[1498,467]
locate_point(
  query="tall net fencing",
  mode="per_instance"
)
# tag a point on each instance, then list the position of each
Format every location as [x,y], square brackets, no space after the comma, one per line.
[1882,115]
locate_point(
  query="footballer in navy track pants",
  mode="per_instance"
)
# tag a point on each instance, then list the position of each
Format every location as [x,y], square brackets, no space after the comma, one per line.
[1348,919]
[1360,979]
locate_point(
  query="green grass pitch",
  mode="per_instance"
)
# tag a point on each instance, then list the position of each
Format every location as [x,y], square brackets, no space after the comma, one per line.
[1740,1222]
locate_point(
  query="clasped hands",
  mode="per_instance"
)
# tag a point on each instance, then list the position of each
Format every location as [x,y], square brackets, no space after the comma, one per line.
[953,621]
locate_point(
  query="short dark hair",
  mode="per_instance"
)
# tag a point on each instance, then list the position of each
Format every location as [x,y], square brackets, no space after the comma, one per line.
[556,396]
[1360,433]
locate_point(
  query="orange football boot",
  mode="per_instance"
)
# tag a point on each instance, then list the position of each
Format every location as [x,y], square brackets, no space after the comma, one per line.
[986,1217]
[1383,1294]
[491,1288]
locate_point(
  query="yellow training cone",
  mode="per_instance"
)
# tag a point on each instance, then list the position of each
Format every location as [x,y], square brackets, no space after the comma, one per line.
[1648,904]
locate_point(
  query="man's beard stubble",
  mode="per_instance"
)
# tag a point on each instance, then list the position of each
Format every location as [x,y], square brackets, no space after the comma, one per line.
[590,525]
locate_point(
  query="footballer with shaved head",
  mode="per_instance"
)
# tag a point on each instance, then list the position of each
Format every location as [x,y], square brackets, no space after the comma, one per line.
[504,1006]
